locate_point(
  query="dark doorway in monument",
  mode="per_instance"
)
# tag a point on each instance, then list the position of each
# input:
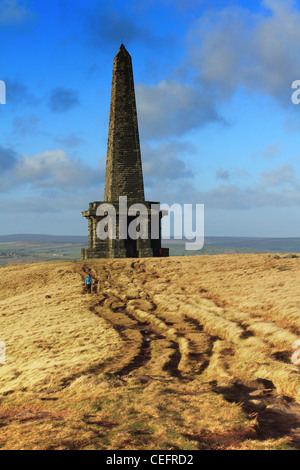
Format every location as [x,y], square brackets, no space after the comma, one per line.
[131,244]
[131,248]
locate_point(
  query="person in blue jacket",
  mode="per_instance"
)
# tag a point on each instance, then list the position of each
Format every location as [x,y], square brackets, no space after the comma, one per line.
[88,283]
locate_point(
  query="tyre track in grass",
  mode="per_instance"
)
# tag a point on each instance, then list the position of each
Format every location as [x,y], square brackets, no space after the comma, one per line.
[276,416]
[115,310]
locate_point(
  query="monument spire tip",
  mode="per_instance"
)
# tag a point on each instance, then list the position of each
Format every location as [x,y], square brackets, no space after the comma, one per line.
[122,50]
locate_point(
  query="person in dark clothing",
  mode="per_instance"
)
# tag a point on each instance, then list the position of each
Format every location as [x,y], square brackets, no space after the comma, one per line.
[88,283]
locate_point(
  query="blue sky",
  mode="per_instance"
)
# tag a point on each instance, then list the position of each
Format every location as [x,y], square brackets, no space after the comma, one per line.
[213,88]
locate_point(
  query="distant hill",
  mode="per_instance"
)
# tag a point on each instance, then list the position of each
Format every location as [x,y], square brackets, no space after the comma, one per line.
[27,237]
[261,244]
[241,244]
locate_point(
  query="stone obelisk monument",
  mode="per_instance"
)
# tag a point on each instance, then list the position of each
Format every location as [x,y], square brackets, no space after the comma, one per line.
[124,177]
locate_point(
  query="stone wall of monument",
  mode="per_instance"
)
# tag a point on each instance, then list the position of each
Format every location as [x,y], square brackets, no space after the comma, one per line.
[124,176]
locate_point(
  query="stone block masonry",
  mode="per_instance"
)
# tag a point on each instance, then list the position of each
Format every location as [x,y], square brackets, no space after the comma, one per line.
[124,175]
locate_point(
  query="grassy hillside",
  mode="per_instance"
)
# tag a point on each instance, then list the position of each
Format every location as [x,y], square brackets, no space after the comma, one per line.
[172,353]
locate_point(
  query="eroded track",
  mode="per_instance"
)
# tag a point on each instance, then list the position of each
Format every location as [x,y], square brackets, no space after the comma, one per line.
[172,332]
[174,353]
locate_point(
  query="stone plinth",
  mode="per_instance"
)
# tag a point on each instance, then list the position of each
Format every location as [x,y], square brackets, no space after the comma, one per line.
[116,245]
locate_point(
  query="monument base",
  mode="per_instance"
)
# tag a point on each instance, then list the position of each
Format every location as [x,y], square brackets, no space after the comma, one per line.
[117,247]
[92,253]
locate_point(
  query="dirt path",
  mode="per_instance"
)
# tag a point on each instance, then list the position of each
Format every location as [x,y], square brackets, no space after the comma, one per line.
[171,337]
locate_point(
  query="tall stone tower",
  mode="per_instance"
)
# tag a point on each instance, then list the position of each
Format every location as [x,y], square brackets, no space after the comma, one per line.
[124,177]
[124,174]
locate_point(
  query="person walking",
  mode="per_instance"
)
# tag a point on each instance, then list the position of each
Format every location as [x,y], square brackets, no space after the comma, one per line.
[88,283]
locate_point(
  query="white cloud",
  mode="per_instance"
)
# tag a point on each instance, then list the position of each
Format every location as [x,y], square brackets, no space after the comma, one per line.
[50,170]
[227,49]
[54,168]
[234,47]
[171,109]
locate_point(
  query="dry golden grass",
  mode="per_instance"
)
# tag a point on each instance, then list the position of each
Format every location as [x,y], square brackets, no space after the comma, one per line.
[47,327]
[165,354]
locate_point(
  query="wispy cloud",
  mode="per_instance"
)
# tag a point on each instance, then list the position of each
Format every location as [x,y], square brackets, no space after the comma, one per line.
[234,47]
[279,187]
[281,176]
[222,174]
[111,24]
[54,168]
[25,125]
[172,109]
[70,141]
[272,150]
[63,99]
[17,93]
[166,161]
[14,12]
[232,197]
[114,27]
[8,159]
[49,169]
